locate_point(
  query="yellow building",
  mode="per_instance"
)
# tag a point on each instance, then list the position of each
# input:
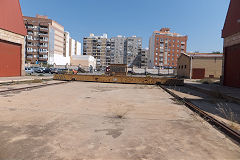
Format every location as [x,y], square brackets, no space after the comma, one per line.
[199,65]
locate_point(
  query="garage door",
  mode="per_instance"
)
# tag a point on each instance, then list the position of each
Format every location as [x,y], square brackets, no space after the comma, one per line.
[232,66]
[10,59]
[198,73]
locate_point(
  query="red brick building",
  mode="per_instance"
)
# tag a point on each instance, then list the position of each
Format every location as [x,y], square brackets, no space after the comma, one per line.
[165,48]
[12,39]
[231,35]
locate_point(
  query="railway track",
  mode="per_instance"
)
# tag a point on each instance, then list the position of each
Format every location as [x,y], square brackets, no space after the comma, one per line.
[30,87]
[235,136]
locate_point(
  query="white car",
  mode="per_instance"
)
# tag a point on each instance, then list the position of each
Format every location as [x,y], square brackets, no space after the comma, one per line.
[29,70]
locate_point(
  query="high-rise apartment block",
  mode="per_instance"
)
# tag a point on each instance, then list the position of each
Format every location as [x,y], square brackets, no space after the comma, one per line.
[96,46]
[132,49]
[118,49]
[144,58]
[165,48]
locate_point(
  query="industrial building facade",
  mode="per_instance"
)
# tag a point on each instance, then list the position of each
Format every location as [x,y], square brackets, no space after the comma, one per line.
[199,65]
[165,48]
[12,39]
[231,35]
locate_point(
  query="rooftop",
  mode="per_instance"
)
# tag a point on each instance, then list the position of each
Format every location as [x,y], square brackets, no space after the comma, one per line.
[210,55]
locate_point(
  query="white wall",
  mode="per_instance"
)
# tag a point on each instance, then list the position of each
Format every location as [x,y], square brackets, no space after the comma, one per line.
[73,47]
[61,60]
[67,41]
[78,48]
[151,52]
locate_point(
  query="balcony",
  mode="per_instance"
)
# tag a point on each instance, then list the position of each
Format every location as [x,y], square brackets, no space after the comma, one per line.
[29,58]
[43,40]
[43,59]
[29,40]
[43,24]
[29,44]
[43,29]
[43,53]
[43,35]
[30,28]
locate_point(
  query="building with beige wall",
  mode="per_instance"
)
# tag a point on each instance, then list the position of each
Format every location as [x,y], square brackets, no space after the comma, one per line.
[199,65]
[84,61]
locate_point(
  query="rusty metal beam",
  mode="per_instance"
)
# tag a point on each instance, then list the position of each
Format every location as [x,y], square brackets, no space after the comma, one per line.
[118,79]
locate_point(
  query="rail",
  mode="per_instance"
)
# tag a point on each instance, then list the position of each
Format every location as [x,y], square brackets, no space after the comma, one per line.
[235,136]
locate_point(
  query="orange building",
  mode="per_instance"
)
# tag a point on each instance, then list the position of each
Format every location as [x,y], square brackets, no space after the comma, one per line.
[12,39]
[165,47]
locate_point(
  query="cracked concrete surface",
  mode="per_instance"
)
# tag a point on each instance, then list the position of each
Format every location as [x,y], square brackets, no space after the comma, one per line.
[93,121]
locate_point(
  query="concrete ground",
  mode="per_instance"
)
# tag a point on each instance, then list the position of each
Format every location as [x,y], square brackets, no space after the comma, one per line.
[23,78]
[87,121]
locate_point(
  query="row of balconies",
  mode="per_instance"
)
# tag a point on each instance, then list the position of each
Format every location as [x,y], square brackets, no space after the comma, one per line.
[39,58]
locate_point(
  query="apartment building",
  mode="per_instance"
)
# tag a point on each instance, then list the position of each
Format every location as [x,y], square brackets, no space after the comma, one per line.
[45,41]
[133,46]
[117,49]
[144,58]
[165,47]
[96,46]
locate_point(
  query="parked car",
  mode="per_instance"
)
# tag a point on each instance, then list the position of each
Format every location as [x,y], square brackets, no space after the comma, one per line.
[39,70]
[46,70]
[35,68]
[29,70]
[53,70]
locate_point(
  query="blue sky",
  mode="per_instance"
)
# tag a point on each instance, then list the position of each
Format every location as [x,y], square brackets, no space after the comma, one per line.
[201,20]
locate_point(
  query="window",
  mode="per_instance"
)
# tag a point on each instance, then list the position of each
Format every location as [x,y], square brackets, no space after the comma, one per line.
[185,66]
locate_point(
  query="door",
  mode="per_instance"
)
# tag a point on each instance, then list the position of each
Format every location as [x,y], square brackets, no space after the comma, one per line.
[232,66]
[10,59]
[198,73]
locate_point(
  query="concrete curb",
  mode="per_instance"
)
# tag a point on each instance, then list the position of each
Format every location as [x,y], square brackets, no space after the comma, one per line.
[214,93]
